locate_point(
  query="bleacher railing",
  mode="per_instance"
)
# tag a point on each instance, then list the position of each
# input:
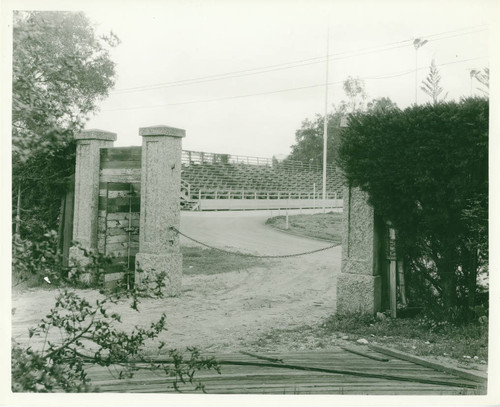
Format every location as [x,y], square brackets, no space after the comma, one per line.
[200,157]
[250,194]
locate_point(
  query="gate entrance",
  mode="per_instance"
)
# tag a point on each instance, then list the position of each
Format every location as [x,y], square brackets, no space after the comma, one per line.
[118,235]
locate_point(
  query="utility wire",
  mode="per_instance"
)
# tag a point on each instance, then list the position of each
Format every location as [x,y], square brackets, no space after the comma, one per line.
[280,90]
[294,64]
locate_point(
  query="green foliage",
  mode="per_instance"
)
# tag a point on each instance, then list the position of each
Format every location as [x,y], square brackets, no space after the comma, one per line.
[309,138]
[42,180]
[420,335]
[61,68]
[88,336]
[34,261]
[483,77]
[431,85]
[426,170]
[354,88]
[77,334]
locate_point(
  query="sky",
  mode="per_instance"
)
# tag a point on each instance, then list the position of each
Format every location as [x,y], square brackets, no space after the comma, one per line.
[240,77]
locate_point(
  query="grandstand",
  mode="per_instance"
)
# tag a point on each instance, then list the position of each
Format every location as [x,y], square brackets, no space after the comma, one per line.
[224,181]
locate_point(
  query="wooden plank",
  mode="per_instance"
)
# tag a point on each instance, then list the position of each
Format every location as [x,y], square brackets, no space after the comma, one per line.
[476,377]
[122,230]
[265,378]
[108,164]
[115,276]
[110,203]
[113,208]
[68,220]
[120,216]
[121,238]
[118,186]
[109,172]
[365,354]
[274,385]
[117,194]
[121,153]
[122,176]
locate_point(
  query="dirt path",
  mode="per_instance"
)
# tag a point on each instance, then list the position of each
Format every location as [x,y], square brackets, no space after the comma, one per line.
[226,311]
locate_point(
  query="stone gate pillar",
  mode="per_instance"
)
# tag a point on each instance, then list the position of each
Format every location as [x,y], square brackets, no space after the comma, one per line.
[359,283]
[88,145]
[160,208]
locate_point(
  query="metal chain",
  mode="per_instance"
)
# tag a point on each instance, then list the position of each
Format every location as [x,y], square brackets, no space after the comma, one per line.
[253,255]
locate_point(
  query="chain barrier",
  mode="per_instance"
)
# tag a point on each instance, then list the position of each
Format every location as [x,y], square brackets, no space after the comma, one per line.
[282,256]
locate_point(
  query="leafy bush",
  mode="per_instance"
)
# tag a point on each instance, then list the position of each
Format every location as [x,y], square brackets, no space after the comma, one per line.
[89,337]
[34,261]
[426,170]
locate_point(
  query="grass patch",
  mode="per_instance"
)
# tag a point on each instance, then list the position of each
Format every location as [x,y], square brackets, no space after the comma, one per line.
[417,335]
[198,260]
[326,226]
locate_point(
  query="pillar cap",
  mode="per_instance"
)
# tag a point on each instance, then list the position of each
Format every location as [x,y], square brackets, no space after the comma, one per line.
[96,134]
[161,130]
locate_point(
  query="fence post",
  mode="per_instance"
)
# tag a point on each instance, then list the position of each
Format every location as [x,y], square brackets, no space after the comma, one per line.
[159,255]
[392,271]
[88,147]
[314,196]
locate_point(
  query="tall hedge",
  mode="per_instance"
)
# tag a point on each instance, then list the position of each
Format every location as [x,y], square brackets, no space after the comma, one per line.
[425,169]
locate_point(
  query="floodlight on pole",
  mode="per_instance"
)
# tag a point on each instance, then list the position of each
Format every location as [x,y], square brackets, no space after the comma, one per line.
[417,43]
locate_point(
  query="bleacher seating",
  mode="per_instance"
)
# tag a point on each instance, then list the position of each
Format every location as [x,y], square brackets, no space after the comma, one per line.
[252,175]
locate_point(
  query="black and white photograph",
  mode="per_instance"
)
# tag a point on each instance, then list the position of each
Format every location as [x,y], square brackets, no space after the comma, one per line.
[278,203]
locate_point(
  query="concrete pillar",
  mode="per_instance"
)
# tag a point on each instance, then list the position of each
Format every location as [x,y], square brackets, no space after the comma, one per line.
[88,145]
[160,208]
[359,284]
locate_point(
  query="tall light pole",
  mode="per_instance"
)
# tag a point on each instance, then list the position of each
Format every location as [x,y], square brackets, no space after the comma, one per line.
[417,43]
[325,120]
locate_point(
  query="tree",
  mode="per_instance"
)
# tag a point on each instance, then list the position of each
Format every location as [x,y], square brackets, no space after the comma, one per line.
[431,84]
[381,105]
[484,79]
[61,69]
[425,170]
[309,138]
[354,88]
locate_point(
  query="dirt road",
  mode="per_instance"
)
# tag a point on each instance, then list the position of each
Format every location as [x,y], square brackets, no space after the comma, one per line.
[226,311]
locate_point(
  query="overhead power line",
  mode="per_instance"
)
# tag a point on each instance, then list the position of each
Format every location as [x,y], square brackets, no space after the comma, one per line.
[388,76]
[297,63]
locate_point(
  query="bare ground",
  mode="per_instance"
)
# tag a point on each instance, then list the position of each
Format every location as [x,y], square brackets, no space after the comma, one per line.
[275,307]
[230,311]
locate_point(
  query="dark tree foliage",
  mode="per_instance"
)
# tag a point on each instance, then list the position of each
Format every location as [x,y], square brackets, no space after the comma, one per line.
[61,69]
[42,180]
[426,170]
[309,138]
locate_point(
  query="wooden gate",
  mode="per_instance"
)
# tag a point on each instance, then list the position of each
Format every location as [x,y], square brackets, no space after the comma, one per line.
[118,234]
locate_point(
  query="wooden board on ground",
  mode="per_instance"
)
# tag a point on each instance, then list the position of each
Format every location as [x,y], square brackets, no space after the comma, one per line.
[245,373]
